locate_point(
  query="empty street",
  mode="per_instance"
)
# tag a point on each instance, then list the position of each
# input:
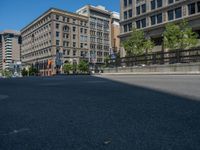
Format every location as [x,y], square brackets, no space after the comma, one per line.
[100,113]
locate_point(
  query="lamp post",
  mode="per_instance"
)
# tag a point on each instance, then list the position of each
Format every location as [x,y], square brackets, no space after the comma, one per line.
[162,50]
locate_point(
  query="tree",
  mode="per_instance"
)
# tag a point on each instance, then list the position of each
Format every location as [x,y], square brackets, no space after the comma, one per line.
[137,44]
[24,72]
[106,61]
[179,36]
[33,71]
[7,73]
[83,66]
[148,45]
[67,67]
[74,68]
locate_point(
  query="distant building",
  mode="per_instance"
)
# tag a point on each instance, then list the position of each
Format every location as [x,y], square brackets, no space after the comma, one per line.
[9,49]
[55,37]
[152,15]
[115,31]
[59,36]
[103,26]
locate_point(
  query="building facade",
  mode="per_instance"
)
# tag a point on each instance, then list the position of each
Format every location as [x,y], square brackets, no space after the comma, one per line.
[56,37]
[115,31]
[9,49]
[101,25]
[152,16]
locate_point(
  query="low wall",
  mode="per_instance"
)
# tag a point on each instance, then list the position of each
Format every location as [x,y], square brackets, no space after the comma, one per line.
[193,68]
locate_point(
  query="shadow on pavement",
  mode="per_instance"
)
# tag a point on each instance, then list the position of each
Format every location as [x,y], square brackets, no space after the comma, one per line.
[90,113]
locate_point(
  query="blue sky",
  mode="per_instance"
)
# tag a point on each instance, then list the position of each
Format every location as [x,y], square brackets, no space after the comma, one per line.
[15,14]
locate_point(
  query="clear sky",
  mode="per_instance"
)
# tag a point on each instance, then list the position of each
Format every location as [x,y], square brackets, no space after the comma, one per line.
[15,14]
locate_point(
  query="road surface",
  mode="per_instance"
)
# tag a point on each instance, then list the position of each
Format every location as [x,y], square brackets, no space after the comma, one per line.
[95,113]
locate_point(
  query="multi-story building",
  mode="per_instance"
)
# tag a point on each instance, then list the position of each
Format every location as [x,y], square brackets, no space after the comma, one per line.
[1,56]
[58,36]
[152,15]
[115,31]
[55,37]
[100,32]
[9,49]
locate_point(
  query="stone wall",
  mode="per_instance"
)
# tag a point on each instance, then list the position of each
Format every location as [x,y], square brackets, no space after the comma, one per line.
[193,68]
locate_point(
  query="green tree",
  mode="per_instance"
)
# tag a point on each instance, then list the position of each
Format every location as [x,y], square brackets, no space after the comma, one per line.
[106,61]
[83,66]
[148,45]
[24,72]
[7,73]
[179,36]
[137,44]
[33,71]
[74,68]
[67,67]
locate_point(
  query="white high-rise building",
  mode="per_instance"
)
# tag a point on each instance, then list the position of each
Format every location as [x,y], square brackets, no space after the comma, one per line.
[9,48]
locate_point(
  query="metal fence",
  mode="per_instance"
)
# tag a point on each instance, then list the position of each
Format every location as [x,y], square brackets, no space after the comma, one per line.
[171,57]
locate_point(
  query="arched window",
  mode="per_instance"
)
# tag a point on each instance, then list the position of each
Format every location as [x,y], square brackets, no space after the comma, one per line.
[66,28]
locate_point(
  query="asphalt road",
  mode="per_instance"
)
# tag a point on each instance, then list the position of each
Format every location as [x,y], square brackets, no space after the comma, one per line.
[92,113]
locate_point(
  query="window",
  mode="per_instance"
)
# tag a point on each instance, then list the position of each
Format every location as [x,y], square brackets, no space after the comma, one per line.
[64,52]
[74,36]
[57,34]
[74,29]
[143,8]
[153,20]
[138,10]
[64,19]
[66,28]
[81,45]
[130,13]
[74,52]
[170,1]
[74,44]
[57,42]
[85,31]
[81,30]
[159,3]
[68,52]
[57,26]
[125,3]
[138,24]
[143,22]
[159,18]
[125,15]
[170,15]
[130,2]
[198,6]
[130,26]
[57,17]
[82,53]
[125,28]
[191,9]
[153,4]
[74,21]
[65,43]
[178,12]
[66,36]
